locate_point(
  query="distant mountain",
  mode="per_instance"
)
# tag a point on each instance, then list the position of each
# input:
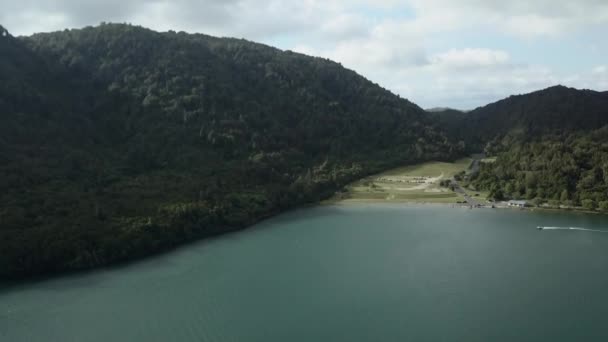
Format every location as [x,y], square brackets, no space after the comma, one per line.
[550,147]
[117,141]
[450,115]
[442,109]
[553,110]
[452,121]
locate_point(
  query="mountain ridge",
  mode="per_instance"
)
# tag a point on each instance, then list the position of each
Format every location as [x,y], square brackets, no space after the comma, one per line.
[118,141]
[144,140]
[552,110]
[548,147]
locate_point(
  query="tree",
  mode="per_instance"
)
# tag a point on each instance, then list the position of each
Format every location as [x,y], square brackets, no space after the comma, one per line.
[564,196]
[497,194]
[538,201]
[588,204]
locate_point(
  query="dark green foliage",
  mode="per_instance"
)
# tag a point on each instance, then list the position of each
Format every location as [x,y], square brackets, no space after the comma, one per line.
[459,176]
[551,111]
[549,146]
[569,169]
[454,123]
[117,141]
[445,183]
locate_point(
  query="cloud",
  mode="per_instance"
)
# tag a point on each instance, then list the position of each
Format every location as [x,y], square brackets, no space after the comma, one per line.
[470,58]
[523,18]
[470,88]
[346,26]
[596,78]
[413,47]
[223,17]
[468,78]
[467,88]
[600,70]
[339,17]
[383,45]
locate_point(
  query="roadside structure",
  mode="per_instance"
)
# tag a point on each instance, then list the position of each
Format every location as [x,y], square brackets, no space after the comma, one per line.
[518,204]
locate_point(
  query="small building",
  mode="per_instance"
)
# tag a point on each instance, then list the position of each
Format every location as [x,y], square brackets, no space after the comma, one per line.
[518,204]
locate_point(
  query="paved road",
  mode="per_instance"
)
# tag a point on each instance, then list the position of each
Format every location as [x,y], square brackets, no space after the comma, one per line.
[472,170]
[470,200]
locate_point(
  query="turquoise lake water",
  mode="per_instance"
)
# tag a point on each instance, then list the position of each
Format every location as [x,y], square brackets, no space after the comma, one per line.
[342,273]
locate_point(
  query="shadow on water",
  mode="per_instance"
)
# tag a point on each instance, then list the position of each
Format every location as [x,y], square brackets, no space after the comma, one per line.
[96,276]
[65,281]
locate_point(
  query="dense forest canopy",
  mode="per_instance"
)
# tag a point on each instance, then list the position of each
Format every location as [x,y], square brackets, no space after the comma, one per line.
[553,110]
[569,169]
[117,141]
[551,147]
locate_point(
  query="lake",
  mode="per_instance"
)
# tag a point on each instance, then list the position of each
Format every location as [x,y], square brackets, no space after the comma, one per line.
[342,273]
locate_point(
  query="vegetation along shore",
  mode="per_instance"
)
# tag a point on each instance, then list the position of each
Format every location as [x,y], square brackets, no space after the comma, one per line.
[117,142]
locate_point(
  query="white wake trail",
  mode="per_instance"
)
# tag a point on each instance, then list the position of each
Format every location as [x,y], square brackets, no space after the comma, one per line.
[572,228]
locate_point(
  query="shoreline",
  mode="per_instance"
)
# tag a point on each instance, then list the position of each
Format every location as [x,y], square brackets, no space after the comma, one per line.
[360,201]
[402,203]
[10,282]
[355,201]
[568,210]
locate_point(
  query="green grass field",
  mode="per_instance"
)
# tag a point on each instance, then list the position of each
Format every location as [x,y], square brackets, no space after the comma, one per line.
[415,183]
[431,169]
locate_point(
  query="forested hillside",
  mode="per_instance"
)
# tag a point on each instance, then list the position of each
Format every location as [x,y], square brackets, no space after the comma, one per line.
[455,125]
[117,141]
[550,111]
[551,147]
[564,170]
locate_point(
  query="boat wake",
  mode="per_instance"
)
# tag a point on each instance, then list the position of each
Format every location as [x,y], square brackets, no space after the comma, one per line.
[572,228]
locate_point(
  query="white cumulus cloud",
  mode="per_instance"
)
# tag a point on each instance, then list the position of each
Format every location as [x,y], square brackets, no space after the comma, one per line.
[416,48]
[470,58]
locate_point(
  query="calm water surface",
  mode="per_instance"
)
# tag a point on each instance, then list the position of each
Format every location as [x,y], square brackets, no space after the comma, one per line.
[350,273]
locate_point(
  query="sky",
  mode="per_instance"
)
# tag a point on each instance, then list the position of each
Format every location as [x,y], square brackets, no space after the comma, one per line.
[436,53]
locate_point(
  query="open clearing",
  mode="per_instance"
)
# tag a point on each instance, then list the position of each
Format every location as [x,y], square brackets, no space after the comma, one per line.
[415,183]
